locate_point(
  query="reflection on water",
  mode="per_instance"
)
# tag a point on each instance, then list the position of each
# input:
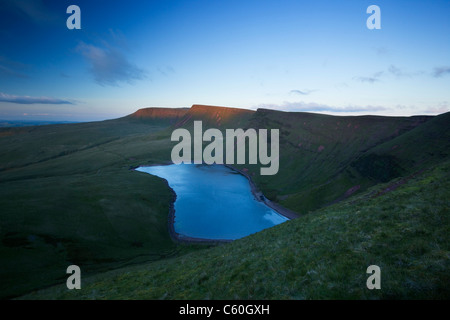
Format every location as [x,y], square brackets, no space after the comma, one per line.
[213,202]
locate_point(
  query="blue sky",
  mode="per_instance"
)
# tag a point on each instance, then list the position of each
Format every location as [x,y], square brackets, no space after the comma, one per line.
[315,56]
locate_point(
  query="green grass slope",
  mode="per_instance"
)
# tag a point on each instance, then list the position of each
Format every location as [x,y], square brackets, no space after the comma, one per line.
[319,256]
[157,116]
[25,146]
[324,159]
[68,196]
[215,117]
[423,146]
[319,153]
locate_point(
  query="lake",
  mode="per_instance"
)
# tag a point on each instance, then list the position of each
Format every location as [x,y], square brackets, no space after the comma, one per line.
[214,202]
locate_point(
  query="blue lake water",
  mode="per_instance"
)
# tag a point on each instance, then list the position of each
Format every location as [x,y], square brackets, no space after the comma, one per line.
[214,202]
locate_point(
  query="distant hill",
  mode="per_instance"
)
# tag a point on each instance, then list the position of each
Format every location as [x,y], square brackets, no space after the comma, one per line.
[27,123]
[216,117]
[166,116]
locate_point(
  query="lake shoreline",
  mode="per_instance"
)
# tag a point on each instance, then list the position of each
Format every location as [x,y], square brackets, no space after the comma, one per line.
[259,196]
[177,237]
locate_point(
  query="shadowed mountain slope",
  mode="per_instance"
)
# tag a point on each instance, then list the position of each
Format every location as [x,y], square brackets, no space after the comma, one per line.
[162,116]
[215,117]
[319,154]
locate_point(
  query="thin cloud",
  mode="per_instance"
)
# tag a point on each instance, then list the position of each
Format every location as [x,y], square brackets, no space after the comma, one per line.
[301,92]
[341,85]
[441,71]
[397,72]
[9,72]
[35,10]
[367,79]
[371,79]
[4,97]
[118,38]
[166,70]
[381,50]
[442,107]
[393,71]
[9,68]
[317,107]
[109,66]
[400,73]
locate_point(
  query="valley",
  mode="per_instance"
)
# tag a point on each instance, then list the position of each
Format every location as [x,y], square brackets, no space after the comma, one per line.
[69,196]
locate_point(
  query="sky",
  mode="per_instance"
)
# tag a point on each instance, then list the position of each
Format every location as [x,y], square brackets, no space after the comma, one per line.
[290,55]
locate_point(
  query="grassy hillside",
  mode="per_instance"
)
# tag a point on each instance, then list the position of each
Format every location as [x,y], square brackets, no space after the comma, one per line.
[215,117]
[68,194]
[425,145]
[316,152]
[319,256]
[324,159]
[26,146]
[157,116]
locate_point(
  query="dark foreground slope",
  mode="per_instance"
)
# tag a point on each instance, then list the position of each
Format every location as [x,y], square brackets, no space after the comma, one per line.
[319,256]
[67,196]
